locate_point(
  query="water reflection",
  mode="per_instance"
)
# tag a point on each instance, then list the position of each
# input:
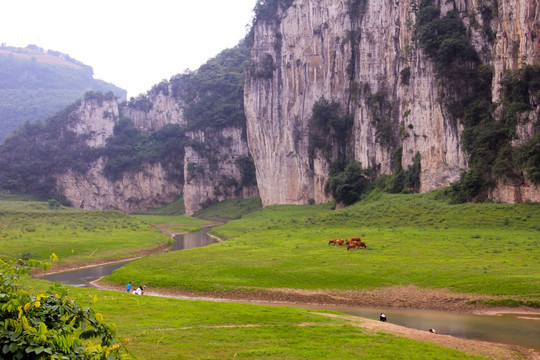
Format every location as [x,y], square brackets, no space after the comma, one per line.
[84,277]
[192,240]
[507,328]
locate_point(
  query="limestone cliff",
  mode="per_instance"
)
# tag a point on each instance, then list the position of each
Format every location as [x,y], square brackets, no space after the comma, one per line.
[215,168]
[156,109]
[214,160]
[364,55]
[146,188]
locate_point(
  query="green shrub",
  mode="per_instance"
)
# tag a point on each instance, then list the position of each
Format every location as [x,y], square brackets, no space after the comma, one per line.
[347,186]
[50,325]
[128,149]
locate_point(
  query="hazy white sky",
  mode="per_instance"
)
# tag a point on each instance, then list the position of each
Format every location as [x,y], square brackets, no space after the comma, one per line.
[132,43]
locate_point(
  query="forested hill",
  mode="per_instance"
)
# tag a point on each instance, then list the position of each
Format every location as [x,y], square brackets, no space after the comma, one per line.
[35,84]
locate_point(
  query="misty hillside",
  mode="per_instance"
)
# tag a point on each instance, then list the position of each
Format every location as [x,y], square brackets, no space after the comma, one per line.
[35,84]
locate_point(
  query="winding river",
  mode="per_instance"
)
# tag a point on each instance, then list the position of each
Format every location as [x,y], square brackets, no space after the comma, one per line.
[515,329]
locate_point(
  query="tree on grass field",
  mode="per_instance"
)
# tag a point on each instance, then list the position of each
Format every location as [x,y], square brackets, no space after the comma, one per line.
[50,325]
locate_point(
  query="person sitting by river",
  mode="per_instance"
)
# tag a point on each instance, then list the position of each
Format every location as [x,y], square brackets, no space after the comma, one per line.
[382,317]
[433,331]
[139,291]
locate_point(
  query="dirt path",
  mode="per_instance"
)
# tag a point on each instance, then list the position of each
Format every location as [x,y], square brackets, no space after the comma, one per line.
[404,297]
[410,297]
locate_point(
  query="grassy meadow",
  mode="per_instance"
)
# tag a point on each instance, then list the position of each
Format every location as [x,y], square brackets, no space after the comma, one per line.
[488,249]
[166,328]
[411,239]
[32,229]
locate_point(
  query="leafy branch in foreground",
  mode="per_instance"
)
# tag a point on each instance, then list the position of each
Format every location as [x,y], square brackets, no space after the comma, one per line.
[50,325]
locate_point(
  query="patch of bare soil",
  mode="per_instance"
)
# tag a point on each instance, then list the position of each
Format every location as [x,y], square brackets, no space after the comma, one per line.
[491,350]
[410,297]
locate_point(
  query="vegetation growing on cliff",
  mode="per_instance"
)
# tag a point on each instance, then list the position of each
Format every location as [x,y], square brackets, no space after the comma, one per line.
[329,129]
[487,137]
[129,149]
[267,10]
[214,94]
[30,159]
[34,153]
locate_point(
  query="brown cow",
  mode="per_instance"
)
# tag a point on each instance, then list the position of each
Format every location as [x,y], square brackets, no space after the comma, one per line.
[336,242]
[356,244]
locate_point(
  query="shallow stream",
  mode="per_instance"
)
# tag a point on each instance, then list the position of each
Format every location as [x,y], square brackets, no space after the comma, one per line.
[516,329]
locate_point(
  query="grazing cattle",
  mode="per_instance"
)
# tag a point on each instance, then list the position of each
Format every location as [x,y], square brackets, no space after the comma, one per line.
[336,242]
[356,244]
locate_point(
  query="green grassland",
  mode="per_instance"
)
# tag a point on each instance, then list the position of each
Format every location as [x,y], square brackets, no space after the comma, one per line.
[165,328]
[488,249]
[32,229]
[411,239]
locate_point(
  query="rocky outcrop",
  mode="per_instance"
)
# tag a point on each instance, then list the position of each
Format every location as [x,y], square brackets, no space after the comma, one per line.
[310,62]
[214,160]
[94,119]
[363,55]
[153,111]
[213,168]
[517,28]
[148,188]
[367,59]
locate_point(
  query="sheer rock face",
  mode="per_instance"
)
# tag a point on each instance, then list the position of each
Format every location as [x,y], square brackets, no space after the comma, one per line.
[303,54]
[136,190]
[164,110]
[146,189]
[211,168]
[150,187]
[309,43]
[518,37]
[95,120]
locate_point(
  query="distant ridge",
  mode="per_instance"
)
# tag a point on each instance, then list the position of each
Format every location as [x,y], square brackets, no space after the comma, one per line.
[35,84]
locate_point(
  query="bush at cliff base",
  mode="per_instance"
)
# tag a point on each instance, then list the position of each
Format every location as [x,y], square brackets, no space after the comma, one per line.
[50,325]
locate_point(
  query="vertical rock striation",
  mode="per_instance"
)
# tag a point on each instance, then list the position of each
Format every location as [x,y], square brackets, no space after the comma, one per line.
[364,55]
[214,160]
[147,188]
[213,168]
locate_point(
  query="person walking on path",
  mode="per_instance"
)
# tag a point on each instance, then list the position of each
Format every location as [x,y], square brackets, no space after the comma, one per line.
[128,287]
